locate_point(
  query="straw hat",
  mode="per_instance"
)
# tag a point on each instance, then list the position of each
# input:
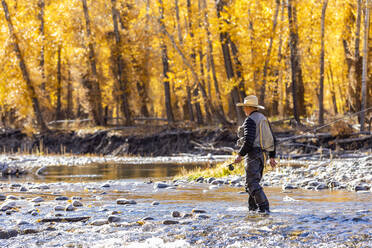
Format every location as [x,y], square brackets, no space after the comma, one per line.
[250,101]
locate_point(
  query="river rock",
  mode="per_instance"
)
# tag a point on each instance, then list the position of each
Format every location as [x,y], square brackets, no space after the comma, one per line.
[69,207]
[333,184]
[202,216]
[61,198]
[124,201]
[99,222]
[37,199]
[12,197]
[22,222]
[2,197]
[77,203]
[30,231]
[6,234]
[76,198]
[361,187]
[321,186]
[34,213]
[198,211]
[23,189]
[288,187]
[170,222]
[187,215]
[106,185]
[7,205]
[200,179]
[217,182]
[176,214]
[155,203]
[211,179]
[147,218]
[113,218]
[160,185]
[15,185]
[59,208]
[44,186]
[41,171]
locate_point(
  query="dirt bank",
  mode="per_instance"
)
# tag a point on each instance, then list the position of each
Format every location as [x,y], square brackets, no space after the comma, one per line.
[170,141]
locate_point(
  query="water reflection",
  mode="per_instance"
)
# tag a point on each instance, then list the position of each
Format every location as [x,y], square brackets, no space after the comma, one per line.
[98,172]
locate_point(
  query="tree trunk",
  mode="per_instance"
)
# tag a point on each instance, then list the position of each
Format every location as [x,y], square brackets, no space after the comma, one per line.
[94,92]
[297,83]
[199,115]
[122,80]
[238,69]
[268,53]
[210,57]
[277,74]
[365,67]
[69,109]
[321,76]
[164,53]
[224,39]
[25,73]
[333,91]
[59,85]
[188,103]
[41,5]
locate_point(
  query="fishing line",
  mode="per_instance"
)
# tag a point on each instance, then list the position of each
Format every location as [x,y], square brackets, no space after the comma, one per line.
[231,167]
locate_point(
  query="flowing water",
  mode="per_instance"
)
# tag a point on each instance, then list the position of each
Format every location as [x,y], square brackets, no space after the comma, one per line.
[299,218]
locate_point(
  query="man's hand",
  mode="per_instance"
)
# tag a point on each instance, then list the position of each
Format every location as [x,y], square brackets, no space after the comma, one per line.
[238,159]
[272,162]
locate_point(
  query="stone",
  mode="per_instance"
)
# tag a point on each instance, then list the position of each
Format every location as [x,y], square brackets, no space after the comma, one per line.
[7,234]
[77,203]
[61,198]
[187,215]
[106,185]
[124,201]
[99,222]
[170,222]
[217,182]
[37,199]
[44,187]
[7,205]
[202,216]
[69,207]
[15,185]
[147,218]
[211,179]
[321,186]
[12,197]
[200,179]
[198,211]
[23,189]
[176,214]
[22,222]
[59,208]
[155,203]
[30,231]
[313,183]
[113,218]
[115,212]
[288,187]
[2,197]
[76,198]
[333,184]
[34,213]
[361,187]
[160,185]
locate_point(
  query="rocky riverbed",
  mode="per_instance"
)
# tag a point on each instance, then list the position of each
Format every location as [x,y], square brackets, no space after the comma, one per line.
[346,174]
[177,214]
[208,212]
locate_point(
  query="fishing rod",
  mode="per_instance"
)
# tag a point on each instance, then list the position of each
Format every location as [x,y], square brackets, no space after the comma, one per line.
[231,167]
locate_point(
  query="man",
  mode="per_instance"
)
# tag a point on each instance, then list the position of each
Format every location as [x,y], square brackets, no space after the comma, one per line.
[257,140]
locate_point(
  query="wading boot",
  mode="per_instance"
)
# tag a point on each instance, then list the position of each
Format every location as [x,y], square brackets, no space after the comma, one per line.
[252,206]
[264,208]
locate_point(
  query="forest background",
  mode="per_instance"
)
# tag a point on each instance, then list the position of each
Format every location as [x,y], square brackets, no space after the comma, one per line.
[116,62]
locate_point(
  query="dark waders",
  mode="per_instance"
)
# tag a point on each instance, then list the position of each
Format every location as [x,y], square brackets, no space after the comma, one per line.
[254,165]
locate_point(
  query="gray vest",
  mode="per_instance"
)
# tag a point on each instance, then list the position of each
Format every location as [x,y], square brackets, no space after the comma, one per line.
[264,137]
